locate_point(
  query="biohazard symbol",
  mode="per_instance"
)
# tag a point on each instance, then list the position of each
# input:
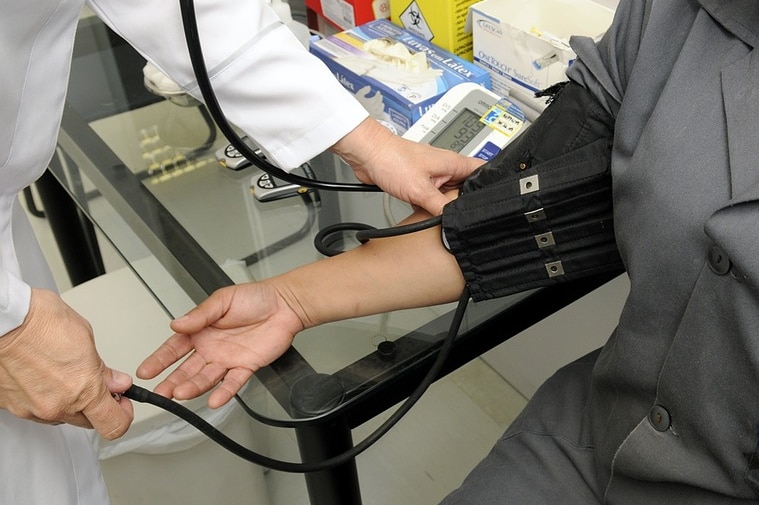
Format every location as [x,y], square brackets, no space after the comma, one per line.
[413,21]
[416,18]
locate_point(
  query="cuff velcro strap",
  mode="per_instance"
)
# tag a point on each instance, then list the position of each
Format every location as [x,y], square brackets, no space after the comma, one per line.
[541,211]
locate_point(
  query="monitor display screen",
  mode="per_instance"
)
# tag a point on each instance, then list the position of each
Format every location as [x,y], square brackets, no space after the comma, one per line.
[459,132]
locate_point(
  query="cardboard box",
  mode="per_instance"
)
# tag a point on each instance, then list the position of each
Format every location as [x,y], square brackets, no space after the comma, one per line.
[524,44]
[393,89]
[442,22]
[346,14]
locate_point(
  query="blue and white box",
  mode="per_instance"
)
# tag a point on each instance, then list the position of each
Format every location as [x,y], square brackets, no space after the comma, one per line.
[524,44]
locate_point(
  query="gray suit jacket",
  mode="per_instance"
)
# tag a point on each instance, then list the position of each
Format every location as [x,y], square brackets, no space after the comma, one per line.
[675,404]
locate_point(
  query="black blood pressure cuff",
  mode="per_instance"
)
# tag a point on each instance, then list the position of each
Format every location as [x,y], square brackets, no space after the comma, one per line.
[540,212]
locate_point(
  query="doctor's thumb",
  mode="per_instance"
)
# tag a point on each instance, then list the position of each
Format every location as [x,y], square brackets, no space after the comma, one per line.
[436,199]
[110,414]
[117,381]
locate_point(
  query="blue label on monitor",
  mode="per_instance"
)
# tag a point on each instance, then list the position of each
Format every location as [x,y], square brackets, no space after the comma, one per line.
[488,151]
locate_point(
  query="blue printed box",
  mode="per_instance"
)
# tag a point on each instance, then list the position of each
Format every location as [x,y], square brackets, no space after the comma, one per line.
[396,75]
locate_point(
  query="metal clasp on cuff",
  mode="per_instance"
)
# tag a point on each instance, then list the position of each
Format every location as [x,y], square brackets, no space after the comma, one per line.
[535,215]
[529,184]
[545,240]
[555,269]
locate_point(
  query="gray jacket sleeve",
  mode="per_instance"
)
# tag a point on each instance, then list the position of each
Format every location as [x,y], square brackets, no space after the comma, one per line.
[541,212]
[604,68]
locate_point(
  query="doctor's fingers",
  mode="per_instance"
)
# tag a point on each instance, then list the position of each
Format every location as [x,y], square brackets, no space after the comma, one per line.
[109,416]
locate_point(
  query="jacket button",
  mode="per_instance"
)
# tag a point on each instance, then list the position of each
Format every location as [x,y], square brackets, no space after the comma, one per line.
[659,418]
[719,261]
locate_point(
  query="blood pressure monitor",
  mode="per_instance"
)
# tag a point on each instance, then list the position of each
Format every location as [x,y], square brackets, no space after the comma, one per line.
[471,120]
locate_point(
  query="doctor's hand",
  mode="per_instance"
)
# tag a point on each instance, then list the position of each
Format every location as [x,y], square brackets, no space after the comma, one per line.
[51,373]
[413,172]
[228,336]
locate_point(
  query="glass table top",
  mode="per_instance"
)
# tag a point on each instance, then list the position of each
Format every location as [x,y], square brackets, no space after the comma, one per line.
[144,170]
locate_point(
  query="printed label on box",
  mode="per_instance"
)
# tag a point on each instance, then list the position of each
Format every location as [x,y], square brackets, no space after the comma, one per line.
[381,9]
[339,12]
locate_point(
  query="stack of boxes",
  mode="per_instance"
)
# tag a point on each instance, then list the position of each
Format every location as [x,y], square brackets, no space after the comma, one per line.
[395,74]
[440,22]
[522,46]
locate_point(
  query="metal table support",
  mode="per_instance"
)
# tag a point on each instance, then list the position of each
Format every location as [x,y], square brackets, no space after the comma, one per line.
[311,396]
[74,234]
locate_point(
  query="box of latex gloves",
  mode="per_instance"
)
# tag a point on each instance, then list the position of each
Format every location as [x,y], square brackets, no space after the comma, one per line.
[524,44]
[396,75]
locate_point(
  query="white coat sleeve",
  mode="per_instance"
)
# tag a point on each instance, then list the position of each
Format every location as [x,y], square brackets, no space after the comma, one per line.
[15,296]
[267,83]
[22,265]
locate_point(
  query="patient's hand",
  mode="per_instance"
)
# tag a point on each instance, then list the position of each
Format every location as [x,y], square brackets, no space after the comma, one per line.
[226,338]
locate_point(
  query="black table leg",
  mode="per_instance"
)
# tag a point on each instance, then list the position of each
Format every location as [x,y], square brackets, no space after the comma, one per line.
[73,233]
[311,396]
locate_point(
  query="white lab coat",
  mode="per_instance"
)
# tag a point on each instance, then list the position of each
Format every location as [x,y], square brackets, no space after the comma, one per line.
[258,69]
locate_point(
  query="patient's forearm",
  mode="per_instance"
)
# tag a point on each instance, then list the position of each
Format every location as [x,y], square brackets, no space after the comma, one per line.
[407,271]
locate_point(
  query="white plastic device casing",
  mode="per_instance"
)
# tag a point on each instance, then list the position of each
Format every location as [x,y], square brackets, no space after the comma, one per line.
[483,122]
